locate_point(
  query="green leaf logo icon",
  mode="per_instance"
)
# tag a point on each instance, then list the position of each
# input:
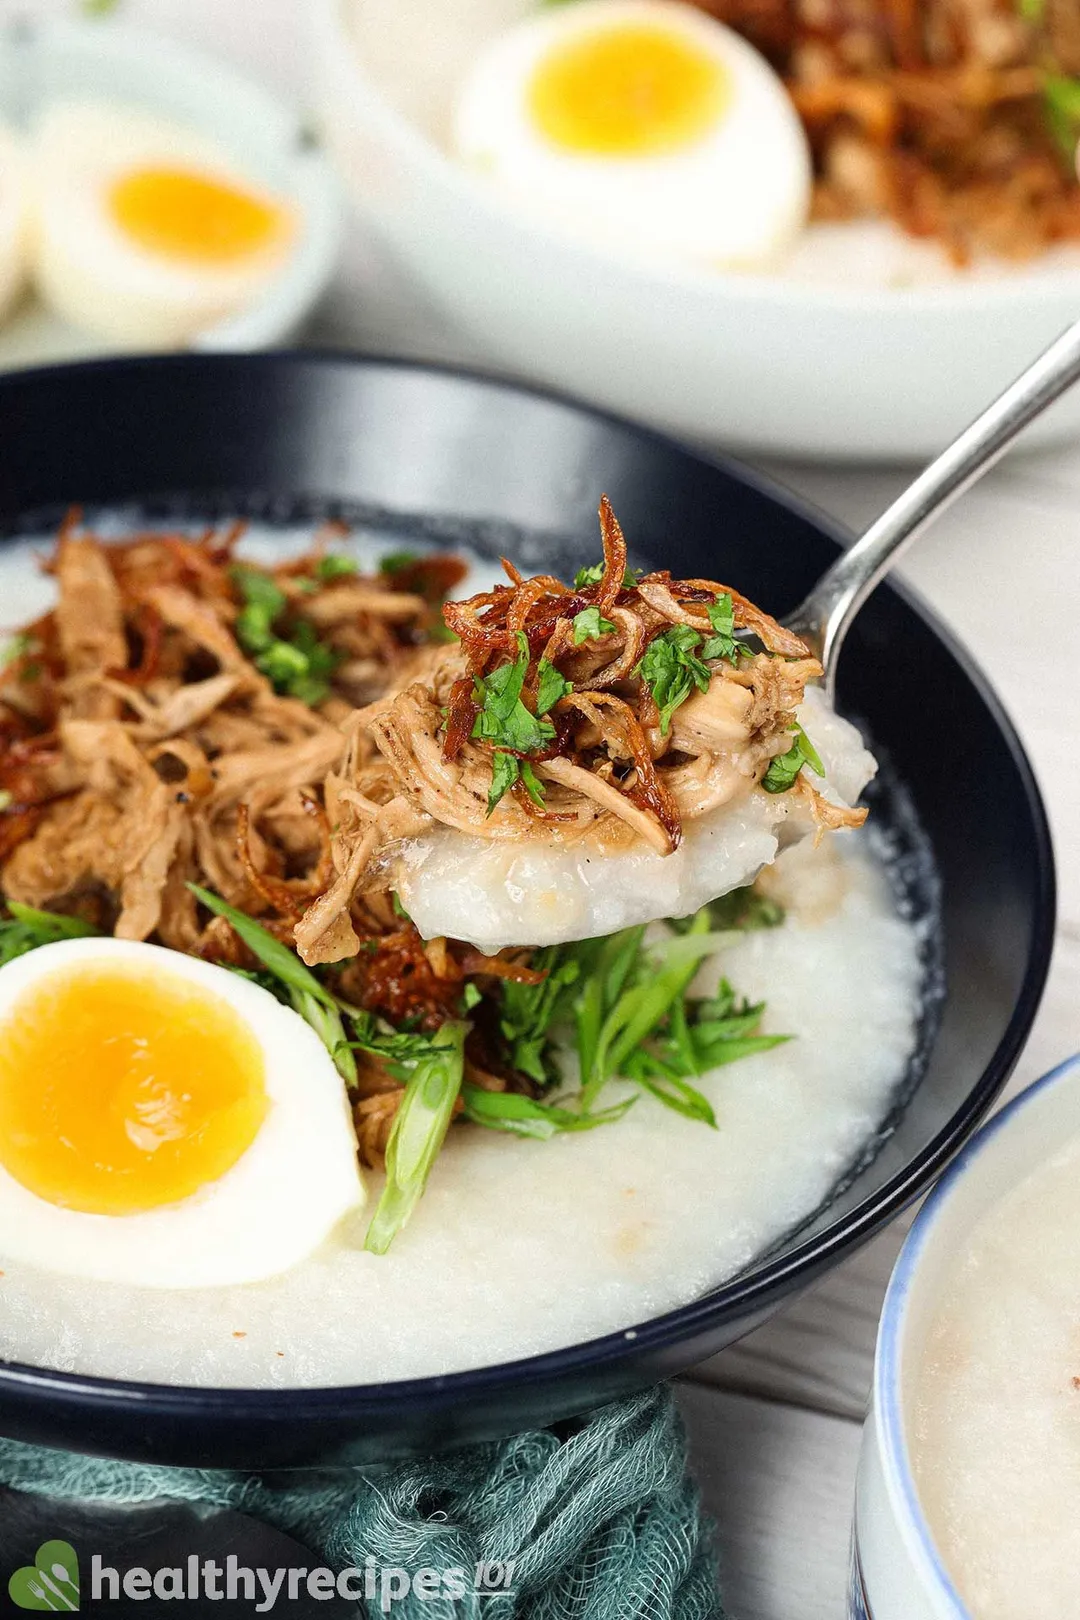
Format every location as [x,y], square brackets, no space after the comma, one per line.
[50,1582]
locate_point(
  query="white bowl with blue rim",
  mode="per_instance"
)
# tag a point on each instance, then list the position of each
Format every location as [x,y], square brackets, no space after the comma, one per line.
[897,1570]
[71,59]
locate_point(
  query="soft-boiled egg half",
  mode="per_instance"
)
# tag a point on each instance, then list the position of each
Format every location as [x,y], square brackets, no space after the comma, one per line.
[14,217]
[146,232]
[643,125]
[163,1121]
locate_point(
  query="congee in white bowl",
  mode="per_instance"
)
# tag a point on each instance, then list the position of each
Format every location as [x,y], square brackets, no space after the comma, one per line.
[663,264]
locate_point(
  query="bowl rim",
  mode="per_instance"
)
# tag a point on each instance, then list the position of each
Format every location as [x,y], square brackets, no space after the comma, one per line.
[897,1466]
[744,1294]
[341,56]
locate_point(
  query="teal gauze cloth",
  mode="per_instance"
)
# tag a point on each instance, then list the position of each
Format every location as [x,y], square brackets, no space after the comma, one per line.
[601,1522]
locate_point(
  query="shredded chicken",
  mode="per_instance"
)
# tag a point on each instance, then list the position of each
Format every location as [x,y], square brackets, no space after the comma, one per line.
[955,118]
[143,749]
[614,770]
[164,726]
[136,729]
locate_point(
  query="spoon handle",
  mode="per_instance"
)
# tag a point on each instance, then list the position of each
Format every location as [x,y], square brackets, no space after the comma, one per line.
[824,618]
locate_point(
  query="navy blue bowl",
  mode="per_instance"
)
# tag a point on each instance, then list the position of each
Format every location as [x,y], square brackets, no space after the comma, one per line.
[444,454]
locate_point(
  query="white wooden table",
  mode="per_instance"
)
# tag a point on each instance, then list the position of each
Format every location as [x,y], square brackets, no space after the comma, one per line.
[775,1421]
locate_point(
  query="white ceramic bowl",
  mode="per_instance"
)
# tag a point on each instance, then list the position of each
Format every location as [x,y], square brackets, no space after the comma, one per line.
[758,363]
[43,61]
[897,1572]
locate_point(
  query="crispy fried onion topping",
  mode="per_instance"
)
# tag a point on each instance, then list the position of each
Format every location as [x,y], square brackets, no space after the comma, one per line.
[615,709]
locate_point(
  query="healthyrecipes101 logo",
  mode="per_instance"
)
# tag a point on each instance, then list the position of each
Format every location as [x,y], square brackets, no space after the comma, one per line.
[50,1582]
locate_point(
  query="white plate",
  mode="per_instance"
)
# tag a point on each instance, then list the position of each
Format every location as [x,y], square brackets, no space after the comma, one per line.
[828,360]
[45,61]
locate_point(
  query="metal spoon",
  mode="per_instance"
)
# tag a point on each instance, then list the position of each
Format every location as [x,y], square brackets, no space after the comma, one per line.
[824,618]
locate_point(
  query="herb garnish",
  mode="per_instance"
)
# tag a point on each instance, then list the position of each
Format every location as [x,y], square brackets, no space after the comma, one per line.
[521,1116]
[620,1003]
[590,625]
[398,1050]
[505,771]
[21,647]
[430,1066]
[595,573]
[722,643]
[26,928]
[335,565]
[299,665]
[550,686]
[395,561]
[1061,97]
[673,663]
[305,994]
[624,1002]
[418,1132]
[529,1012]
[504,721]
[671,669]
[783,770]
[745,909]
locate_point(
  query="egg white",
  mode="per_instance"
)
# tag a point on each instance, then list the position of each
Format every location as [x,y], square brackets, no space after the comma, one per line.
[278,1202]
[88,271]
[735,198]
[14,218]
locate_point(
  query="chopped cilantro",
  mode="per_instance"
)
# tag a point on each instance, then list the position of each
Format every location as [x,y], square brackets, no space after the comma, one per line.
[722,643]
[510,727]
[395,561]
[263,602]
[299,666]
[783,770]
[399,1050]
[588,576]
[532,783]
[671,668]
[529,1011]
[282,663]
[550,686]
[1061,95]
[595,573]
[335,566]
[505,771]
[503,720]
[25,648]
[20,645]
[590,625]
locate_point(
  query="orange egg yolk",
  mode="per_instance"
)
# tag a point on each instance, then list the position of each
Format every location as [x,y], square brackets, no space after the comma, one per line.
[632,91]
[195,218]
[122,1090]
